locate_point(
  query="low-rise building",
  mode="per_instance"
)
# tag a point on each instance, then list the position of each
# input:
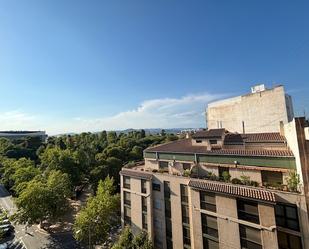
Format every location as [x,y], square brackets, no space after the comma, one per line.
[221,189]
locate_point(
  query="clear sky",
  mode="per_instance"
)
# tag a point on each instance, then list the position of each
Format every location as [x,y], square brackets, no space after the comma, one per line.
[71,66]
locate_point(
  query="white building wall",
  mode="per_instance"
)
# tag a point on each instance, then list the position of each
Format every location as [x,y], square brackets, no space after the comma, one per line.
[260,112]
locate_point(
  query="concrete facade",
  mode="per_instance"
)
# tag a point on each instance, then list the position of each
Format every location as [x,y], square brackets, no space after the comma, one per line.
[252,113]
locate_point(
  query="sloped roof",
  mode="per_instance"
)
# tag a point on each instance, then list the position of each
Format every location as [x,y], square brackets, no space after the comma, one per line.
[136,174]
[235,190]
[185,146]
[213,133]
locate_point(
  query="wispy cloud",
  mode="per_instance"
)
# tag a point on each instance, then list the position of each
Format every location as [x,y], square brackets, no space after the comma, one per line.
[155,113]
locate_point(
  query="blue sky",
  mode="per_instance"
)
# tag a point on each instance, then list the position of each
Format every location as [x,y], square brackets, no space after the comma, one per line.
[93,65]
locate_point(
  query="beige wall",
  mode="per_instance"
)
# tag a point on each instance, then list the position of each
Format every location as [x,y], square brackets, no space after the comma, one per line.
[261,112]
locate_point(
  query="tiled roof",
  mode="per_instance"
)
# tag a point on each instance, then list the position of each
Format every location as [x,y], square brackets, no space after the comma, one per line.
[136,174]
[233,189]
[263,137]
[213,133]
[270,137]
[185,146]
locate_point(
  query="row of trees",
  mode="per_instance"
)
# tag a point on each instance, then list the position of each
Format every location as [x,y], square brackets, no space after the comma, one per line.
[42,176]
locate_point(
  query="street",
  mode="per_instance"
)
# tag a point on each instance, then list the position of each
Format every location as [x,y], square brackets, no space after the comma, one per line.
[33,237]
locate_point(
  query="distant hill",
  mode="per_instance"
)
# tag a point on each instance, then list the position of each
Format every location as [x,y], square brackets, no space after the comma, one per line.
[148,131]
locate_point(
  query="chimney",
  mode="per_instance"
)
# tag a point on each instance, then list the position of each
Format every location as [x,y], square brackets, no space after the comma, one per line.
[281,128]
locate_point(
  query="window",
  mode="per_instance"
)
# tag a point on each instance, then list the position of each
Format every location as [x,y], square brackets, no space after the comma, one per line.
[143,186]
[272,177]
[210,244]
[287,216]
[169,243]
[168,212]
[156,187]
[126,182]
[208,201]
[158,240]
[185,214]
[167,190]
[250,238]
[144,221]
[198,141]
[184,193]
[186,237]
[157,224]
[288,241]
[186,166]
[144,204]
[213,141]
[221,170]
[168,225]
[248,211]
[163,165]
[127,215]
[127,198]
[157,204]
[209,226]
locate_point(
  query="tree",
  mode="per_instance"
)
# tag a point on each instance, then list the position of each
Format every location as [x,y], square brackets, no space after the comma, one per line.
[111,137]
[293,181]
[99,215]
[128,241]
[5,145]
[63,160]
[43,199]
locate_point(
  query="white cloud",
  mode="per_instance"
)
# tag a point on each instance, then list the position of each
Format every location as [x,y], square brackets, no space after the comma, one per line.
[155,113]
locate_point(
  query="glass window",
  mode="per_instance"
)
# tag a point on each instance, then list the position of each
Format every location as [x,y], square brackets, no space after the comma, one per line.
[210,244]
[144,204]
[157,224]
[126,182]
[272,177]
[250,238]
[163,164]
[127,198]
[186,236]
[168,225]
[198,141]
[169,243]
[248,211]
[209,225]
[144,221]
[143,186]
[185,214]
[213,141]
[184,193]
[156,187]
[287,216]
[167,190]
[127,215]
[288,241]
[157,204]
[208,201]
[168,211]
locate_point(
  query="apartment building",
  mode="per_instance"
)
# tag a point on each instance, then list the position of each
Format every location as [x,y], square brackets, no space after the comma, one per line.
[259,111]
[222,189]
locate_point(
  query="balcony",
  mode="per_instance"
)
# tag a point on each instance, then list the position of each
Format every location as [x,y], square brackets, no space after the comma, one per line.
[197,172]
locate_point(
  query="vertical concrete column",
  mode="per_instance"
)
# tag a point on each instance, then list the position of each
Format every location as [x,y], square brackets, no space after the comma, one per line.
[176,214]
[149,209]
[136,206]
[195,218]
[228,230]
[121,201]
[267,219]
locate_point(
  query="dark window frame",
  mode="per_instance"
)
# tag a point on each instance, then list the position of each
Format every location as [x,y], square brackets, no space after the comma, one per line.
[143,186]
[245,242]
[283,220]
[245,214]
[207,205]
[156,186]
[126,185]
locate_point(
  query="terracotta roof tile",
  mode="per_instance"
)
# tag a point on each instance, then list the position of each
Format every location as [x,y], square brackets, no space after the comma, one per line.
[233,189]
[185,146]
[212,133]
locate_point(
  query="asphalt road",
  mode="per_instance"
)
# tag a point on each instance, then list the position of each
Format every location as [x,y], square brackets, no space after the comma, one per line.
[33,237]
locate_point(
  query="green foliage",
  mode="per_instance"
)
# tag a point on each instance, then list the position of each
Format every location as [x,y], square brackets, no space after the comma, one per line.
[128,241]
[187,173]
[99,215]
[236,181]
[293,181]
[226,176]
[245,179]
[43,199]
